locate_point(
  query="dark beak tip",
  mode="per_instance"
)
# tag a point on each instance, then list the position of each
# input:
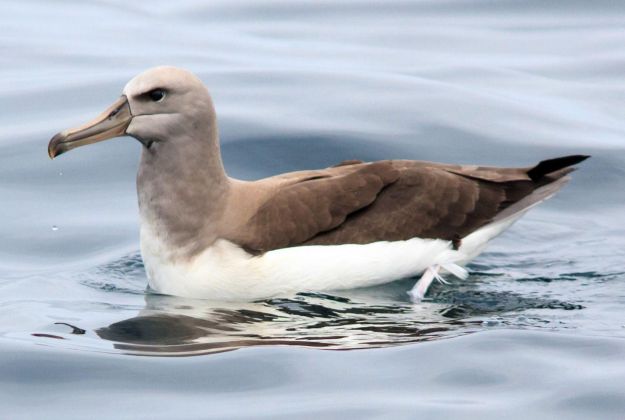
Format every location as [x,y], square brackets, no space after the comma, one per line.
[53,147]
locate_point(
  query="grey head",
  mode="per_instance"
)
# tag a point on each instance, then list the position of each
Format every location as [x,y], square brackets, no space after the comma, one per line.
[181,182]
[158,106]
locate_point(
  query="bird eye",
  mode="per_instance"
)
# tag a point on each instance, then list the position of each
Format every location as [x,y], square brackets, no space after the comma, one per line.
[157,95]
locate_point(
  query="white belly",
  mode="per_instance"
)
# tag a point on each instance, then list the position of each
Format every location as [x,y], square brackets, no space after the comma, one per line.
[225,271]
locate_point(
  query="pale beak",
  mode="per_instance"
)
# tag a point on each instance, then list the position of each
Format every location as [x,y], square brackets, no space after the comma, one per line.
[111,123]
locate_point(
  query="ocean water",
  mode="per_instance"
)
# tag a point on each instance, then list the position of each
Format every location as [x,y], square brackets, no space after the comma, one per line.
[538,329]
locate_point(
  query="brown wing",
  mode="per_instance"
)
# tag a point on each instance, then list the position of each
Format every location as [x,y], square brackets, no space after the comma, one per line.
[296,212]
[385,201]
[443,201]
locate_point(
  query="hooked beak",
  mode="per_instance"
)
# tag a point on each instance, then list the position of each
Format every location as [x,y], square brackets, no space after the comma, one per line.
[111,123]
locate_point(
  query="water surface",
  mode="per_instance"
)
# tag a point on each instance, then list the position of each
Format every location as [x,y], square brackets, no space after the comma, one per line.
[537,329]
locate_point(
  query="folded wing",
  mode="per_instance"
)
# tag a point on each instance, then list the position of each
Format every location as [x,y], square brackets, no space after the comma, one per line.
[361,203]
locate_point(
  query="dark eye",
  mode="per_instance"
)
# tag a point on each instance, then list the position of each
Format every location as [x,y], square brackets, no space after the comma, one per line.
[157,95]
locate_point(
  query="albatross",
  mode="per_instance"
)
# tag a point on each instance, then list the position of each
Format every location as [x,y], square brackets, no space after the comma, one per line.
[206,235]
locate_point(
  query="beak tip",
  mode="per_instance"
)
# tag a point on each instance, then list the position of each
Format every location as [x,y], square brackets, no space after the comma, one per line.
[54,148]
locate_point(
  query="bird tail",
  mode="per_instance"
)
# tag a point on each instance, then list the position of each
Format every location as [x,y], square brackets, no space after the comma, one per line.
[548,177]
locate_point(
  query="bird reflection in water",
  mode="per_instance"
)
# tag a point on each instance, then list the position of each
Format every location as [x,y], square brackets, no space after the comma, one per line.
[356,319]
[178,326]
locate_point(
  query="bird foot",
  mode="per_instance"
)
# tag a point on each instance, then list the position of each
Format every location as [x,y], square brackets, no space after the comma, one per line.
[417,293]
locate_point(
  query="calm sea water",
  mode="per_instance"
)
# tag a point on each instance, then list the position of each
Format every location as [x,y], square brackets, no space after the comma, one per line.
[536,331]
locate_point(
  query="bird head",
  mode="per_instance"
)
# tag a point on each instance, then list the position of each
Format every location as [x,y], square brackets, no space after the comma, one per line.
[158,105]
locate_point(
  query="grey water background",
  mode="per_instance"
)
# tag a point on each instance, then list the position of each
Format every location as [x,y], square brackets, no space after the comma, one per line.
[537,330]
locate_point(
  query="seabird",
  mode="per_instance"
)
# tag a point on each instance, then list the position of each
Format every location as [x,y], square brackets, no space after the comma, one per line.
[356,224]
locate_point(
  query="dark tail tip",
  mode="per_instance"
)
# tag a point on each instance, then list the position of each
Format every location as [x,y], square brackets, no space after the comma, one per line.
[551,165]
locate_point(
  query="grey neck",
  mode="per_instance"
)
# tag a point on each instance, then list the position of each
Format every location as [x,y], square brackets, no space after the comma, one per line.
[182,190]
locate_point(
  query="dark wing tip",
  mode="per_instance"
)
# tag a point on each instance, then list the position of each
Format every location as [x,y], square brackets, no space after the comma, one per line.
[551,165]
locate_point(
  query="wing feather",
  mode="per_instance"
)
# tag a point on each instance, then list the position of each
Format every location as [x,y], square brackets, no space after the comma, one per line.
[361,203]
[302,210]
